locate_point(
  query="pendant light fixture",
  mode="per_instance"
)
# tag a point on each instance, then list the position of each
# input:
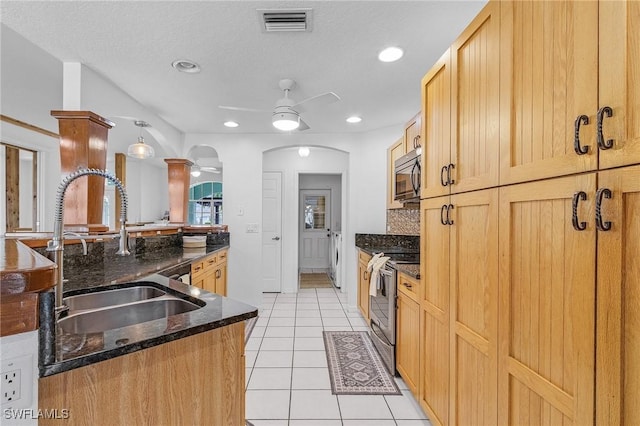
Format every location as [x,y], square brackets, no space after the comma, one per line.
[140,149]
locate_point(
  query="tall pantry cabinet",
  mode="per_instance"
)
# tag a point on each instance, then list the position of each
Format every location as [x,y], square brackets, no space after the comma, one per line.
[459,227]
[530,224]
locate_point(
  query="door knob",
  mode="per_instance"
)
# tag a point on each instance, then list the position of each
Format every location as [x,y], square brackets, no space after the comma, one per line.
[276,238]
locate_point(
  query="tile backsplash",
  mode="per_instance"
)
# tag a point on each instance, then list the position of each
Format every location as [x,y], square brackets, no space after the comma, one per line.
[403,221]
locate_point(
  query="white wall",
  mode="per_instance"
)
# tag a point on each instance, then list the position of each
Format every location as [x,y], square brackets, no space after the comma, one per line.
[364,197]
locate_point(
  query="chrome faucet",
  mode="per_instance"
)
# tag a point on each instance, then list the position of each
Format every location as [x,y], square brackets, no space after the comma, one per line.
[56,245]
[78,236]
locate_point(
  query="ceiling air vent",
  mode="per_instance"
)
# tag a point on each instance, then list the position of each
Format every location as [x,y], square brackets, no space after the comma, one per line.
[279,20]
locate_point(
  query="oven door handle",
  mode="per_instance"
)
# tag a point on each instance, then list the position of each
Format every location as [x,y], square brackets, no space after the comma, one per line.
[380,334]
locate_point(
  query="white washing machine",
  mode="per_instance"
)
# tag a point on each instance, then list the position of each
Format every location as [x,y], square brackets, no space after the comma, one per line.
[336,259]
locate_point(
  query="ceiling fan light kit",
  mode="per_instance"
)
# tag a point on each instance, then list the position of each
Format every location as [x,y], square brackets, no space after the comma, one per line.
[140,149]
[286,120]
[195,171]
[286,113]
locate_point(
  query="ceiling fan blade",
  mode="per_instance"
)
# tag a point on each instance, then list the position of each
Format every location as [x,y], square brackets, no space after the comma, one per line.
[232,108]
[316,101]
[303,126]
[208,170]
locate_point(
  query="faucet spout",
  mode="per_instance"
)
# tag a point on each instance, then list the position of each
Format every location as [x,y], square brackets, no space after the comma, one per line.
[56,245]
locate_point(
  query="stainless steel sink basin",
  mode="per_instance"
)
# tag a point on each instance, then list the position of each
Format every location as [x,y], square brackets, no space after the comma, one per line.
[106,298]
[99,320]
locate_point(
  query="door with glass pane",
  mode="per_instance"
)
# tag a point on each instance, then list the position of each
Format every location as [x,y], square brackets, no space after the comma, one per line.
[315,228]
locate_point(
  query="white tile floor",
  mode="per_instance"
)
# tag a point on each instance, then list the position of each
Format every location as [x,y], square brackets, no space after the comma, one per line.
[287,375]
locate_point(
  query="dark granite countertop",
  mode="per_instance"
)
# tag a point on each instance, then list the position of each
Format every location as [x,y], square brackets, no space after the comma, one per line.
[392,245]
[62,351]
[119,269]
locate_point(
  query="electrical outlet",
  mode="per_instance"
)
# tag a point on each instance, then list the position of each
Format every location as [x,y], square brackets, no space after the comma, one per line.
[16,381]
[10,386]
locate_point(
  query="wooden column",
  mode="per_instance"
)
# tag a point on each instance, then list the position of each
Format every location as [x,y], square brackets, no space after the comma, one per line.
[83,143]
[121,173]
[179,179]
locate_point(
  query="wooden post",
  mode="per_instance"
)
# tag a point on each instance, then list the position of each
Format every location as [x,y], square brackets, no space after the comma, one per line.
[121,173]
[83,143]
[179,179]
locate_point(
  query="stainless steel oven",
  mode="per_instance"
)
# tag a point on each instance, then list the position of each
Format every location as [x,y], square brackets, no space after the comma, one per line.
[382,309]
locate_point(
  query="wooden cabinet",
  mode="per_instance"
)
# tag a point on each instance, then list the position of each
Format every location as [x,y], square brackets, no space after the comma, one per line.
[196,380]
[459,308]
[618,291]
[571,65]
[618,84]
[408,331]
[547,303]
[460,98]
[413,133]
[363,283]
[394,152]
[210,273]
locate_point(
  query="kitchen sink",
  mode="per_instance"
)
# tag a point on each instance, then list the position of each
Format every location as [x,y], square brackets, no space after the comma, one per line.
[108,318]
[114,297]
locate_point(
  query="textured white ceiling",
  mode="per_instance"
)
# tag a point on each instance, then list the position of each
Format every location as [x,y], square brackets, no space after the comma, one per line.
[133,43]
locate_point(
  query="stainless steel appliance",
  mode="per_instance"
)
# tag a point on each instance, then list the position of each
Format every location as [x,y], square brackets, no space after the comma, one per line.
[382,308]
[407,177]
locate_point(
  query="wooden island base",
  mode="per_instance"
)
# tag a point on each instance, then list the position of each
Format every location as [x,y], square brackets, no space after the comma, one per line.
[196,380]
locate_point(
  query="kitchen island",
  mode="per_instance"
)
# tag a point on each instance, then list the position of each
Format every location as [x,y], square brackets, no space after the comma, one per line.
[186,368]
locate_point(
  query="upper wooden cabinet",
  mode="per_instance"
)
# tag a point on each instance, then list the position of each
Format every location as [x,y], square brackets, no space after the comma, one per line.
[413,133]
[460,99]
[618,83]
[436,127]
[394,152]
[569,90]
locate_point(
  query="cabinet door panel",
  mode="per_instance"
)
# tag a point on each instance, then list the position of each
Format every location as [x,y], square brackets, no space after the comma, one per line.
[474,307]
[618,334]
[394,152]
[407,344]
[547,303]
[475,75]
[434,311]
[619,88]
[436,127]
[548,68]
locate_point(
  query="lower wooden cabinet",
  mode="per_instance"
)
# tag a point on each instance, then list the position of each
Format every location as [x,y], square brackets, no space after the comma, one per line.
[197,380]
[408,331]
[210,273]
[363,283]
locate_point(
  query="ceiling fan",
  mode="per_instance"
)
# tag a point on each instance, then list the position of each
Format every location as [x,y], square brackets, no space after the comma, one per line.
[286,113]
[197,169]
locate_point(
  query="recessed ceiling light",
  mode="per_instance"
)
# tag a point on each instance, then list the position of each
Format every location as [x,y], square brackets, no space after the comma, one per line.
[184,65]
[231,124]
[390,54]
[354,119]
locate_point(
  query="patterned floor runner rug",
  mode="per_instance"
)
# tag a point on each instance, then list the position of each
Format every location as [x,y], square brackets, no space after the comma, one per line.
[355,368]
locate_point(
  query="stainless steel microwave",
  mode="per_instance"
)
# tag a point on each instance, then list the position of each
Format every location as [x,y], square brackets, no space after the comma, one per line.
[407,177]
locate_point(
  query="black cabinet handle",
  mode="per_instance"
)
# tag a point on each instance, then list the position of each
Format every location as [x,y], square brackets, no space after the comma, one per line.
[442,218]
[416,142]
[577,225]
[580,150]
[602,144]
[606,193]
[449,168]
[449,208]
[442,181]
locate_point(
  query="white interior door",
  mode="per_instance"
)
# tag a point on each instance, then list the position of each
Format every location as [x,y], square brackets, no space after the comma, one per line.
[315,228]
[271,232]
